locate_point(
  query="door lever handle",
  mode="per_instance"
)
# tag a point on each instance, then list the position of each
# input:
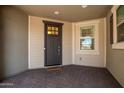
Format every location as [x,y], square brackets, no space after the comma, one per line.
[44,49]
[58,51]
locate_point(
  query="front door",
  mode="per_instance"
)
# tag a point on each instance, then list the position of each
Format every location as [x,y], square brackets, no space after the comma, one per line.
[53,43]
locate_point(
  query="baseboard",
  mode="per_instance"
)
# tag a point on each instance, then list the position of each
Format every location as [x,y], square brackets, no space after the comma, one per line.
[89,66]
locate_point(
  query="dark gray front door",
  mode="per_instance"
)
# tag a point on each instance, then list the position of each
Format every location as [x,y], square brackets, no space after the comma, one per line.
[53,43]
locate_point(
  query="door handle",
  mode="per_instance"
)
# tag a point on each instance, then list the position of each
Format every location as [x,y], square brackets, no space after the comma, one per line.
[44,49]
[58,51]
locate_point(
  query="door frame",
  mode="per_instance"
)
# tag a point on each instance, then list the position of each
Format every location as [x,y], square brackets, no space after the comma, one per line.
[45,38]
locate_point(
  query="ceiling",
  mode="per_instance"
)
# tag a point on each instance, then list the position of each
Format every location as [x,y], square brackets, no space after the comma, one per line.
[71,13]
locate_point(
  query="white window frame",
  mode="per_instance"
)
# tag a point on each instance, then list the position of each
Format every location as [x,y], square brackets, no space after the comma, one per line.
[95,51]
[116,45]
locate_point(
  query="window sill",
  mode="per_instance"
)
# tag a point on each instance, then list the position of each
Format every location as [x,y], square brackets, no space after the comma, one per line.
[88,52]
[118,45]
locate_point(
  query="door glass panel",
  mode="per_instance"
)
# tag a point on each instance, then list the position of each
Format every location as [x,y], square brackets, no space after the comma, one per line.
[56,33]
[49,33]
[53,31]
[52,28]
[49,28]
[56,28]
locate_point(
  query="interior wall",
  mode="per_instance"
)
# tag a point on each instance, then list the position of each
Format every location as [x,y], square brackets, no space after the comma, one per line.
[115,57]
[13,41]
[36,42]
[95,60]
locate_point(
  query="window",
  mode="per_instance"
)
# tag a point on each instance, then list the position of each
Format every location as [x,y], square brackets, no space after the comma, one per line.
[87,38]
[120,23]
[118,28]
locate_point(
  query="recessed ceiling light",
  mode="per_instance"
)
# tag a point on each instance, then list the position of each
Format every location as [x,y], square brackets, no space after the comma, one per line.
[56,12]
[84,6]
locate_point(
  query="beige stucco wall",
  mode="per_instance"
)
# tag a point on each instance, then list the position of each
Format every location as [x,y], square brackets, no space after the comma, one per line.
[13,41]
[96,60]
[36,42]
[115,57]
